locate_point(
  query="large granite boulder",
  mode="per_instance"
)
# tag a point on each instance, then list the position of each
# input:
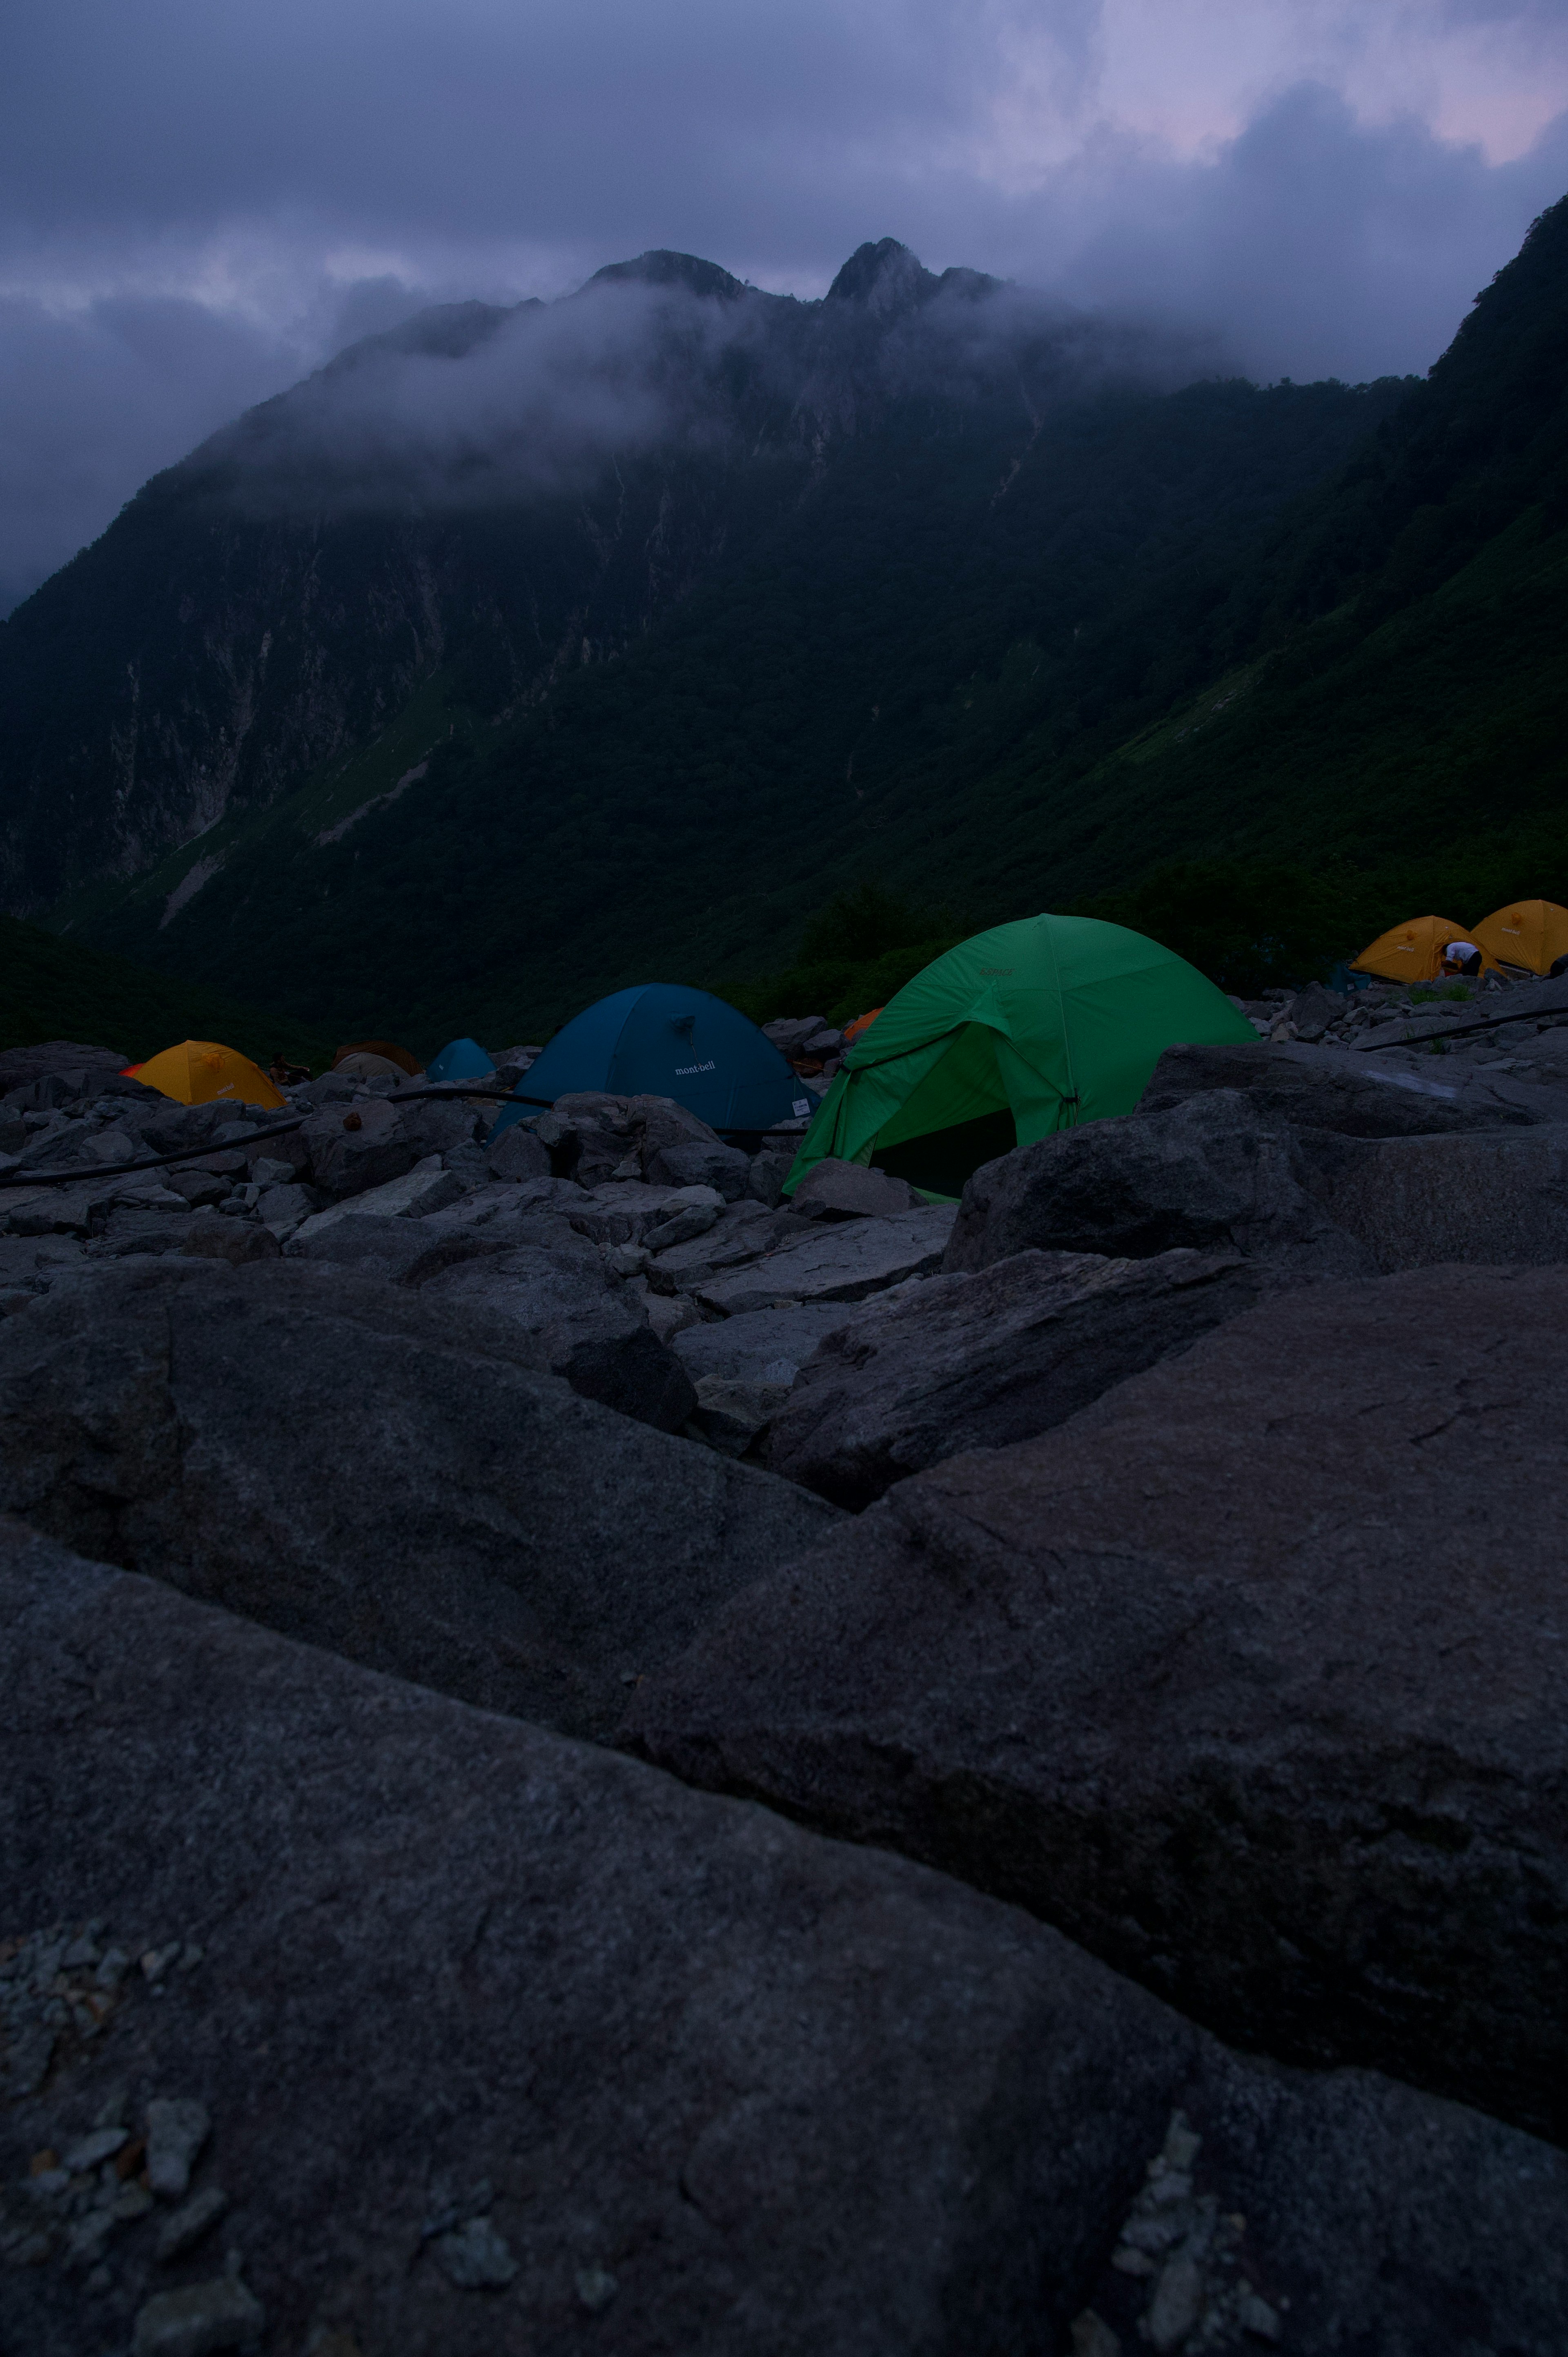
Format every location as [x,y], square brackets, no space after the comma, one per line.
[1209,1176]
[448,2038]
[1249,1677]
[1411,1203]
[964,1362]
[386,1474]
[358,1146]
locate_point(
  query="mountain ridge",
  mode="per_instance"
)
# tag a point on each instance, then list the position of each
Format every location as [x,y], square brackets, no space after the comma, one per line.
[929,610]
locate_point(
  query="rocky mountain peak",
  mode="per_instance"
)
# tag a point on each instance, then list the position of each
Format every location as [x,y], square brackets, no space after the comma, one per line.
[661,267]
[886,278]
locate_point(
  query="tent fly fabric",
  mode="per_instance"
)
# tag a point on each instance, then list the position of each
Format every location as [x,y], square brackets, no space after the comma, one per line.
[656,1039]
[1528,934]
[199,1071]
[460,1060]
[1022,1031]
[1412,952]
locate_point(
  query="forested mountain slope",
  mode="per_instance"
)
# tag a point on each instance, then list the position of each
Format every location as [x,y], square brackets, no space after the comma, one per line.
[432,701]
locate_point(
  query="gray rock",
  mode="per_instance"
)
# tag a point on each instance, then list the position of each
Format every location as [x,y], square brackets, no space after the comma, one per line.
[285,1209]
[576,1325]
[1323,1088]
[781,2092]
[20,1066]
[1411,1203]
[1206,1177]
[741,1234]
[101,2145]
[834,1263]
[682,1225]
[150,1230]
[177,2127]
[517,1153]
[30,1265]
[381,1472]
[185,2227]
[475,2258]
[357,1147]
[591,1137]
[732,1415]
[759,1345]
[978,1362]
[1243,1677]
[769,1172]
[436,1124]
[237,1241]
[414,1195]
[850,1190]
[199,2318]
[200,1188]
[1315,1010]
[723,1167]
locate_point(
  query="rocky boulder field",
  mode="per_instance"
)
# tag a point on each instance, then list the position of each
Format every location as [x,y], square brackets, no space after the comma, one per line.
[598,1758]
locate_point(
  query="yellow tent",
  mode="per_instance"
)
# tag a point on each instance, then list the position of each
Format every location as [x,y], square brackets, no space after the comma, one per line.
[1527,934]
[1411,952]
[199,1071]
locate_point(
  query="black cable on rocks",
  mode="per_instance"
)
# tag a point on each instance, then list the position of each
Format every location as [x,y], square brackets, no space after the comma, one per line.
[1463,1030]
[80,1171]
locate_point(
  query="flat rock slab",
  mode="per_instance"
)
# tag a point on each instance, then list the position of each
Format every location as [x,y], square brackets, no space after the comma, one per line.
[386,1476]
[1324,1088]
[845,1261]
[758,1344]
[851,1188]
[496,2043]
[964,1362]
[1251,1677]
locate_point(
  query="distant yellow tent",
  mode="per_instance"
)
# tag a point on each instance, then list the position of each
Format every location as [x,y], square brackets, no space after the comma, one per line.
[201,1071]
[1411,952]
[1529,934]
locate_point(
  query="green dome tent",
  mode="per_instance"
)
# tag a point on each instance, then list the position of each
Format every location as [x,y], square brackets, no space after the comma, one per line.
[1022,1031]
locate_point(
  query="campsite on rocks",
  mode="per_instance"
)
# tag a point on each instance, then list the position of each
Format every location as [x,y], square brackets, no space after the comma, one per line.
[867,1654]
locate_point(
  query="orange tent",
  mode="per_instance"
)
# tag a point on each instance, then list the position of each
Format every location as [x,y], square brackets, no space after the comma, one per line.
[1528,935]
[861,1023]
[1411,952]
[201,1071]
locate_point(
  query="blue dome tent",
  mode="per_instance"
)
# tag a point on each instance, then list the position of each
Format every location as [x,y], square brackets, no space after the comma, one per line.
[460,1060]
[662,1041]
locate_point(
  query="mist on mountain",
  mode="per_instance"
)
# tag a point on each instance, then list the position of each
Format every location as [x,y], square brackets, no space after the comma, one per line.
[466,406]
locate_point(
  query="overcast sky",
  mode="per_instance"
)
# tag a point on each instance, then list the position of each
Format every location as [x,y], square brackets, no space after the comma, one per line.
[199,199]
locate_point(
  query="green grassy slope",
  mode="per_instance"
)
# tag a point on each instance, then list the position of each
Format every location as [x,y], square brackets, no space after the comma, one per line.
[56,989]
[826,710]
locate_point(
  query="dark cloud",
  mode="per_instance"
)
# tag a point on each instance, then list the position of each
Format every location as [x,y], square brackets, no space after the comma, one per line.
[199,203]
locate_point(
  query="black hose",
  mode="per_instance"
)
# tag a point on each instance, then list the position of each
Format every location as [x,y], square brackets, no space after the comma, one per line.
[1464,1030]
[79,1171]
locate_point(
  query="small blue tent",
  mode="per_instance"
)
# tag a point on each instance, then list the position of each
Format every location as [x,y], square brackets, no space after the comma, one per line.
[661,1041]
[460,1060]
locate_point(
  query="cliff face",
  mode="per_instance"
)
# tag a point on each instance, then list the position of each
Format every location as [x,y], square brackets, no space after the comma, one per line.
[500,495]
[521,653]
